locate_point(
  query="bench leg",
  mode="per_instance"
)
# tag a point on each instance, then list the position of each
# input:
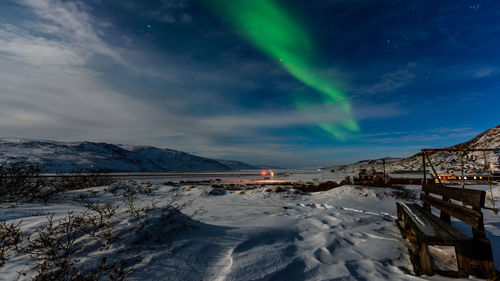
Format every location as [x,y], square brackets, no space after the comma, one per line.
[463,261]
[481,257]
[408,233]
[425,259]
[398,207]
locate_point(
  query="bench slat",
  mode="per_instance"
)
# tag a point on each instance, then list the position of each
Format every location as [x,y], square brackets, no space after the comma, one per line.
[446,227]
[471,197]
[471,217]
[425,229]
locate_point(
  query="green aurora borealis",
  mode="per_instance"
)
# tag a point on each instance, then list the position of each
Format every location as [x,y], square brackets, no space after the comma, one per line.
[277,34]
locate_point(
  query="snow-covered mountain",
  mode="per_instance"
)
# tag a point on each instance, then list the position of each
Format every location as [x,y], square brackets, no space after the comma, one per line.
[443,161]
[69,156]
[366,163]
[237,165]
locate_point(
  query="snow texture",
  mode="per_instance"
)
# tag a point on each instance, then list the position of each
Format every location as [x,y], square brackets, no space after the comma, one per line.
[347,233]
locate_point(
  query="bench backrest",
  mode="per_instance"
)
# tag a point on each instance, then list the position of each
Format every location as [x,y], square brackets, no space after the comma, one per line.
[470,197]
[467,197]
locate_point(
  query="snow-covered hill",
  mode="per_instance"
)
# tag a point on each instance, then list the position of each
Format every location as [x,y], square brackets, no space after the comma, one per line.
[237,165]
[444,161]
[366,163]
[69,156]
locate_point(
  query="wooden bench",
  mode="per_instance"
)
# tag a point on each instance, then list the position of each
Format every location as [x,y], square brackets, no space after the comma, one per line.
[422,228]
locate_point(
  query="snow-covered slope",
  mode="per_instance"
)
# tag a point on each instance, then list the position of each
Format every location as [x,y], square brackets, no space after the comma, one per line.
[367,163]
[70,156]
[347,233]
[444,161]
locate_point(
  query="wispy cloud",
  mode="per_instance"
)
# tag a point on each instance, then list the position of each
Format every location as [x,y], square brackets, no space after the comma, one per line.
[171,11]
[443,134]
[47,87]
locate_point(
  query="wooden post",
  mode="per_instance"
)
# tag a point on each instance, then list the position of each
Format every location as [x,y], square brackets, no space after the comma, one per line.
[463,261]
[485,161]
[489,181]
[425,259]
[481,261]
[432,167]
[423,164]
[462,164]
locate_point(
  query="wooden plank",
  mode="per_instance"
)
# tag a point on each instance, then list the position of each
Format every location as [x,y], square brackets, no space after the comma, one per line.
[437,236]
[471,217]
[456,234]
[471,197]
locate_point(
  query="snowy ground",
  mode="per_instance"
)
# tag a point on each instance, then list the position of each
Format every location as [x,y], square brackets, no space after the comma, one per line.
[347,233]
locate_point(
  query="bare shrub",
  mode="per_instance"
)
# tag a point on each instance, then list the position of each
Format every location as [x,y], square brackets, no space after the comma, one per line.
[233,187]
[324,186]
[25,182]
[117,186]
[10,238]
[78,179]
[95,220]
[402,193]
[346,181]
[54,246]
[54,241]
[135,208]
[160,224]
[20,181]
[166,223]
[67,270]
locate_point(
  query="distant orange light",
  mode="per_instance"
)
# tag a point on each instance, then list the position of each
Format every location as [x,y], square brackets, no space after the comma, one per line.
[263,173]
[271,173]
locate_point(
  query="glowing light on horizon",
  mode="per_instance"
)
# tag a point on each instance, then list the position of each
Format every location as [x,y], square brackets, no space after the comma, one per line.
[276,33]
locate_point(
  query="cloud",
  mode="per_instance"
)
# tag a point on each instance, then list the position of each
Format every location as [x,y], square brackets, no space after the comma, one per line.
[485,72]
[67,74]
[421,137]
[47,87]
[170,11]
[72,25]
[392,81]
[51,90]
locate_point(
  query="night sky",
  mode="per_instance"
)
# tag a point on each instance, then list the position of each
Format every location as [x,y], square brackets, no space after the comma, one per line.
[289,83]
